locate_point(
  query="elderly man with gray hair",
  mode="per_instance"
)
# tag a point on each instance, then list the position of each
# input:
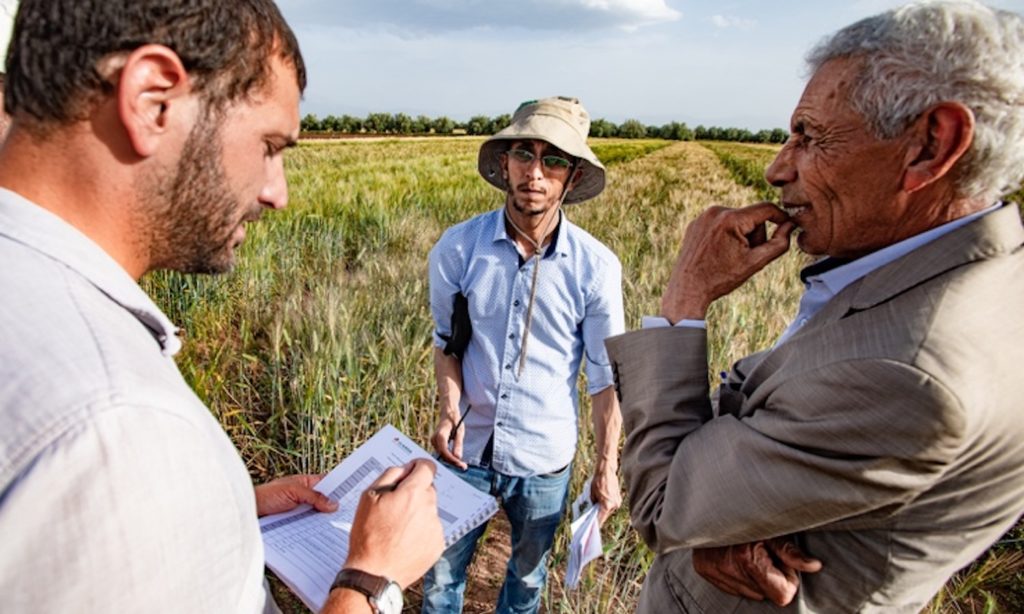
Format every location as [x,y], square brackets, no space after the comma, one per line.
[882,433]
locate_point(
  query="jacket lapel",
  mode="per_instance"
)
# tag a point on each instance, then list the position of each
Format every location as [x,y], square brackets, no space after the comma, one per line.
[992,235]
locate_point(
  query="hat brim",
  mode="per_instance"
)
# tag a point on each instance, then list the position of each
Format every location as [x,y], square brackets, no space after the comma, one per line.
[549,129]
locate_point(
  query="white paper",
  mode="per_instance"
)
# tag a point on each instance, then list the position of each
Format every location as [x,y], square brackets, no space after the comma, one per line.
[306,548]
[586,537]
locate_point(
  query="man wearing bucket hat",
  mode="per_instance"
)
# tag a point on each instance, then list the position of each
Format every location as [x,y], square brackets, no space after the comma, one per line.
[520,298]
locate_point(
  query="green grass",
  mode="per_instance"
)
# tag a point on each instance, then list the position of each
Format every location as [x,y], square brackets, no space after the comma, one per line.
[323,333]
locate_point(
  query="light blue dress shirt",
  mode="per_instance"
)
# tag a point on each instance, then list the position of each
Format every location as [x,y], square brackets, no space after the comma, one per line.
[119,491]
[578,304]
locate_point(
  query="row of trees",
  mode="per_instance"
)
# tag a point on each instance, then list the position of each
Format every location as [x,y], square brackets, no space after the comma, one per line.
[402,124]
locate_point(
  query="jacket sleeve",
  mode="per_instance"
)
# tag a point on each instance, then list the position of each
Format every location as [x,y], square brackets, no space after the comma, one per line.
[843,443]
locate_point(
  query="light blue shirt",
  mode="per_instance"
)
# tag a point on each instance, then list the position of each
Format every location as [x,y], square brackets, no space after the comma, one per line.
[119,491]
[820,288]
[578,305]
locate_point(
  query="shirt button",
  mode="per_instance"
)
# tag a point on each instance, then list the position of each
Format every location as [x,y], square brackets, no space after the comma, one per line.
[501,424]
[504,395]
[508,366]
[512,336]
[515,303]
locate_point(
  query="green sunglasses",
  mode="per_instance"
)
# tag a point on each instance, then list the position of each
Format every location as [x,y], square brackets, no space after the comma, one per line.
[550,162]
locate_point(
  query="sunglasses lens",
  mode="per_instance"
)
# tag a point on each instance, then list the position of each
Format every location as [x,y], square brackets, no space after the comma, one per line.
[555,162]
[521,155]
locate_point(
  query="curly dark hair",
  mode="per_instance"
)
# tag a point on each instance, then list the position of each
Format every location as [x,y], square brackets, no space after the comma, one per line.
[57,46]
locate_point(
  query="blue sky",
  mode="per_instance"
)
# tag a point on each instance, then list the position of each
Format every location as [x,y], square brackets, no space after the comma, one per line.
[728,63]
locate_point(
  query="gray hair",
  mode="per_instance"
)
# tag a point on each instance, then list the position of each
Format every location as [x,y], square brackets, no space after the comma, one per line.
[929,52]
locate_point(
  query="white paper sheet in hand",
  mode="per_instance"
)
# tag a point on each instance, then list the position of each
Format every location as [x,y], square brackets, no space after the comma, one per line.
[586,537]
[306,548]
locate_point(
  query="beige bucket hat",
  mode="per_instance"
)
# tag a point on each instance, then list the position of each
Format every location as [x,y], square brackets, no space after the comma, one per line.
[561,121]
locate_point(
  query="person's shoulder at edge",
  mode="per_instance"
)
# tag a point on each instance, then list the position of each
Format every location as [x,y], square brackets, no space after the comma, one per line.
[57,322]
[137,478]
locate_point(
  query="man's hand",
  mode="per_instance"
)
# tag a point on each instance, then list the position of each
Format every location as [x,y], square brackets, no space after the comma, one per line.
[397,532]
[604,491]
[289,492]
[758,570]
[722,249]
[444,433]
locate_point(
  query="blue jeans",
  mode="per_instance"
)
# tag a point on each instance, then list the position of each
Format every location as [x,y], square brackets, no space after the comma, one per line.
[534,507]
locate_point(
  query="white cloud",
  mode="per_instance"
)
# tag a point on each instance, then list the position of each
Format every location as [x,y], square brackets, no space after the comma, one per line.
[652,10]
[728,21]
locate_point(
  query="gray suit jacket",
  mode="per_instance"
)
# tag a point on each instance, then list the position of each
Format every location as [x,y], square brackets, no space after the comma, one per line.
[886,433]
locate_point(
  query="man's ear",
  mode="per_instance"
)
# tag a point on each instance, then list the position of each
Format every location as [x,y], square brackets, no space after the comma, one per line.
[152,87]
[942,135]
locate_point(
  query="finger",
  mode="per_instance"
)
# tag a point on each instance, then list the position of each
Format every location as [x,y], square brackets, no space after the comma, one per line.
[309,480]
[758,235]
[449,457]
[457,445]
[440,440]
[298,492]
[419,474]
[322,502]
[719,567]
[791,554]
[772,580]
[766,212]
[728,584]
[390,477]
[784,229]
[773,248]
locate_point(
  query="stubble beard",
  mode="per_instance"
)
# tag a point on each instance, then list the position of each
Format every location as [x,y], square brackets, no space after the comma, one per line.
[192,214]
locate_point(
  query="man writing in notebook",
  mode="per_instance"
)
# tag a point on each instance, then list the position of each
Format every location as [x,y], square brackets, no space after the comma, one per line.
[882,432]
[533,296]
[145,134]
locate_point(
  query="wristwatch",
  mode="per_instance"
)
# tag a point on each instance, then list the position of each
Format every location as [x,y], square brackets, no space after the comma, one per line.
[385,596]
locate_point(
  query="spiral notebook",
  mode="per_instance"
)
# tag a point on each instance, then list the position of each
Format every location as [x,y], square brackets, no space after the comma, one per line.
[306,548]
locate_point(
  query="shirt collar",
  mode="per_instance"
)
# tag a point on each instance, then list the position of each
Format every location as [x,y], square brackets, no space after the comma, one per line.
[558,243]
[37,228]
[837,273]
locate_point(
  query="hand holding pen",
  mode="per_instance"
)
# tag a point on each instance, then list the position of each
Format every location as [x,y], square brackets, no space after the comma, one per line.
[447,439]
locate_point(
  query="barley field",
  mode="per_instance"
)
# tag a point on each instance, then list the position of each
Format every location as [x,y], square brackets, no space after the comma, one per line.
[323,334]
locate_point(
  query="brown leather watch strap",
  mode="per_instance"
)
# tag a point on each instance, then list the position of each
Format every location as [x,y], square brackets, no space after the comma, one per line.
[366,583]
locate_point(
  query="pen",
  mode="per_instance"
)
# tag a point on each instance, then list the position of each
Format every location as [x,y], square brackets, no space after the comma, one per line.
[461,420]
[385,488]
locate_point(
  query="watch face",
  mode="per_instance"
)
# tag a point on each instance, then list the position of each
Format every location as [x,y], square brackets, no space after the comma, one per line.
[390,600]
